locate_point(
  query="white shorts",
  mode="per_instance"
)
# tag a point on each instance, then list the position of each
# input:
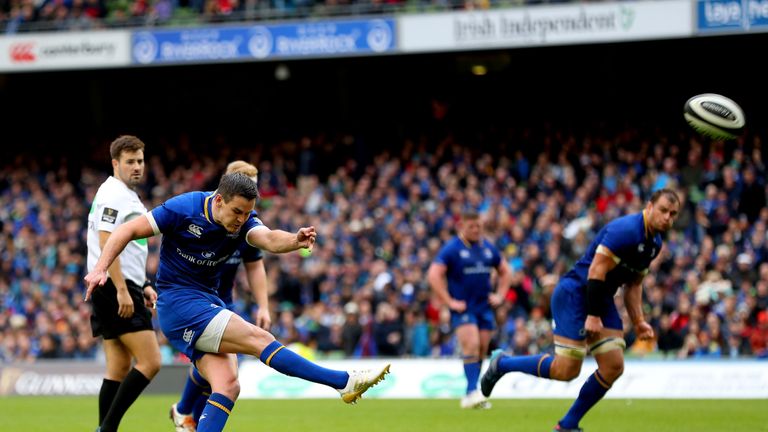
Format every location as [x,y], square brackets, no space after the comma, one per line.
[210,340]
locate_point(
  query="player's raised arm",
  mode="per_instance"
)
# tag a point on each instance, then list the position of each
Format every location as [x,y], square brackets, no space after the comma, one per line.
[136,229]
[279,241]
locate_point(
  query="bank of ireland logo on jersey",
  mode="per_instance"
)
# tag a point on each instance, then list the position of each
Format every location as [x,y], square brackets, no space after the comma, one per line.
[195,230]
[379,36]
[208,254]
[188,335]
[260,43]
[144,47]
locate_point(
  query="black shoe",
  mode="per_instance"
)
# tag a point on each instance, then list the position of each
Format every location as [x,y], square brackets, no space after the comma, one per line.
[492,374]
[559,428]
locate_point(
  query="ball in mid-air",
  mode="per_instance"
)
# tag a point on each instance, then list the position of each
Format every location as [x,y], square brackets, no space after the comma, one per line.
[715,116]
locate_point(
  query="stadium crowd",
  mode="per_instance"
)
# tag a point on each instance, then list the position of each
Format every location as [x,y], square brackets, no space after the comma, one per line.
[381,218]
[49,15]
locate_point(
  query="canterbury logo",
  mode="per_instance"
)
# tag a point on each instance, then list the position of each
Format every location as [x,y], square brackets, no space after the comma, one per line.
[23,52]
[188,335]
[195,230]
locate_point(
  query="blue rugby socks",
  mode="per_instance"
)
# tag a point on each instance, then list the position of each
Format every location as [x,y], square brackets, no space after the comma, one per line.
[285,361]
[472,372]
[197,411]
[193,390]
[592,391]
[536,365]
[215,414]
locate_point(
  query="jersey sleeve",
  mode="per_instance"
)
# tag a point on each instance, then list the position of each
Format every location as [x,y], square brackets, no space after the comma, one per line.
[250,254]
[496,255]
[251,224]
[619,239]
[111,213]
[168,215]
[445,256]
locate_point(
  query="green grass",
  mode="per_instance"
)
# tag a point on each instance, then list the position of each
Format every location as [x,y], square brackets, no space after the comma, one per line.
[149,414]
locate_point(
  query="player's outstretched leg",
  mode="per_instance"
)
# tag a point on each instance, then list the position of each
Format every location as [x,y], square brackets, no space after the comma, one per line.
[492,374]
[351,385]
[536,365]
[360,381]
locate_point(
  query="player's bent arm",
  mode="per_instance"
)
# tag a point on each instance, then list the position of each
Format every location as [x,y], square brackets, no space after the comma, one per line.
[257,281]
[275,241]
[437,281]
[603,262]
[633,300]
[115,271]
[135,229]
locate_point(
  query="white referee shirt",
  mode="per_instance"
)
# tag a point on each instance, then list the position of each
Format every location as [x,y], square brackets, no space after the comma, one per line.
[114,204]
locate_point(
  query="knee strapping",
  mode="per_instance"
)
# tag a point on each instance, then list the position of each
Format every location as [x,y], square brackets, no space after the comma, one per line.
[574,352]
[607,344]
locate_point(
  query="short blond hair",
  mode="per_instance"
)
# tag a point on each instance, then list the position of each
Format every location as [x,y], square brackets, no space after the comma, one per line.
[241,166]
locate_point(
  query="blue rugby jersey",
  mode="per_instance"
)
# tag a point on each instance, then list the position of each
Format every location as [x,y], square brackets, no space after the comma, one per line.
[629,238]
[469,268]
[194,247]
[245,253]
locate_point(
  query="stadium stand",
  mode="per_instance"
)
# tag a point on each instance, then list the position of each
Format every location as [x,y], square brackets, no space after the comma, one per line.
[381,216]
[55,15]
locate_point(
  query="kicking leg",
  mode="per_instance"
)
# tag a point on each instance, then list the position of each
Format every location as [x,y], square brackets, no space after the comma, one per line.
[243,337]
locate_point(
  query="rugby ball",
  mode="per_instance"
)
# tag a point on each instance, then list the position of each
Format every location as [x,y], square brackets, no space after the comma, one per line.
[715,116]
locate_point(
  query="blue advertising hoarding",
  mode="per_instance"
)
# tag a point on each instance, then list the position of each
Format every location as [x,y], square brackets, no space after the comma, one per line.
[732,15]
[261,42]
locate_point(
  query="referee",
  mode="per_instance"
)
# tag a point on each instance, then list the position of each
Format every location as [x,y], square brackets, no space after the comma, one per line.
[121,312]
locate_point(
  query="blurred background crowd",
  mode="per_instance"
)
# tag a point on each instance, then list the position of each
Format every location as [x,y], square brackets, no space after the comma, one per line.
[50,15]
[382,215]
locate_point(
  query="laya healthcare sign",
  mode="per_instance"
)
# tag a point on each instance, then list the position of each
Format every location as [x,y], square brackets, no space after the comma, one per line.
[732,15]
[317,39]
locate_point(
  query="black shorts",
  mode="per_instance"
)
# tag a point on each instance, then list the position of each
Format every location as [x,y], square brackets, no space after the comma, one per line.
[104,320]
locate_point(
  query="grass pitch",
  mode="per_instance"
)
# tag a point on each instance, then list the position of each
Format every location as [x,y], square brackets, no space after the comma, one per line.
[150,414]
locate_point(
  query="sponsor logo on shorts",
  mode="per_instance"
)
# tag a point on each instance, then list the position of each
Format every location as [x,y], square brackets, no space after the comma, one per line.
[188,335]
